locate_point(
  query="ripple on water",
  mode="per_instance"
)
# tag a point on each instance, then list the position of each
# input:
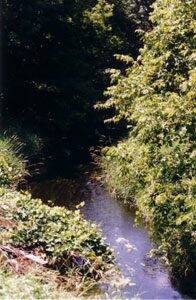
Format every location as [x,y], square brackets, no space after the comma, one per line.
[131,245]
[141,277]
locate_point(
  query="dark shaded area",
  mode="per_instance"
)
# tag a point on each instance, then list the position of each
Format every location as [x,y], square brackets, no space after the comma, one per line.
[54,61]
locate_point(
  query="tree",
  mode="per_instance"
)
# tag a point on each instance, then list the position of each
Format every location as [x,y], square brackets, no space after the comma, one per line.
[56,53]
[155,166]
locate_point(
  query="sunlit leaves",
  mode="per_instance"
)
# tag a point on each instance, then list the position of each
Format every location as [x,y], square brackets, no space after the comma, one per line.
[155,166]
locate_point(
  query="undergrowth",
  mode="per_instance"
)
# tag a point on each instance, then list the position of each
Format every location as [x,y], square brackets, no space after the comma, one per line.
[64,237]
[52,240]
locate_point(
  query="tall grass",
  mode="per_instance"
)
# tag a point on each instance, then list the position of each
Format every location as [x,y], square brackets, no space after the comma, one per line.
[12,163]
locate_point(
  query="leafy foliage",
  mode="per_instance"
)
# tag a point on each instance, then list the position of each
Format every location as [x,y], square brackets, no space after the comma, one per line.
[70,244]
[155,166]
[67,240]
[99,16]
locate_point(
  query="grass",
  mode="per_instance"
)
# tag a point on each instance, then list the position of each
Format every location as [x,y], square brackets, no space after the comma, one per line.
[31,285]
[12,163]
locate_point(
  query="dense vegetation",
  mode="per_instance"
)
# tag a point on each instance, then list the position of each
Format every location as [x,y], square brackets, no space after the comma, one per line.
[154,167]
[55,54]
[62,239]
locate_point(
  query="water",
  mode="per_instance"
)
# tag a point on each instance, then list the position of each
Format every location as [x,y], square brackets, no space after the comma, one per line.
[131,243]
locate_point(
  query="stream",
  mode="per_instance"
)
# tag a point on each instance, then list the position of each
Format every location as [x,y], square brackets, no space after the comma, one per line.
[131,243]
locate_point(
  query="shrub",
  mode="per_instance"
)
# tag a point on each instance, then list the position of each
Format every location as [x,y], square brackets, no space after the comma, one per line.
[155,167]
[67,240]
[12,164]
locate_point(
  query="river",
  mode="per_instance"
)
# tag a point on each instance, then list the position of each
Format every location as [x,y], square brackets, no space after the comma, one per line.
[131,243]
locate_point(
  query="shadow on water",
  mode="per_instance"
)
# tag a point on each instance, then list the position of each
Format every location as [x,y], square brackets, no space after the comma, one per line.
[131,244]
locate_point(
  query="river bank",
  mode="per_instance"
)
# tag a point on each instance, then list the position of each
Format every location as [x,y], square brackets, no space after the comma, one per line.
[144,277]
[45,247]
[54,223]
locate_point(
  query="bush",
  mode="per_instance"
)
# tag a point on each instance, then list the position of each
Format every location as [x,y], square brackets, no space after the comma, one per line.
[154,168]
[12,164]
[67,240]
